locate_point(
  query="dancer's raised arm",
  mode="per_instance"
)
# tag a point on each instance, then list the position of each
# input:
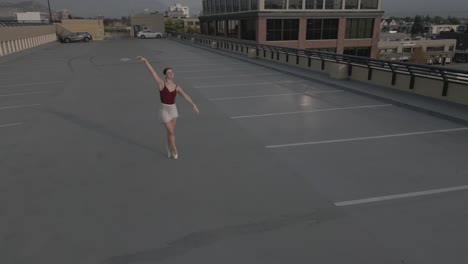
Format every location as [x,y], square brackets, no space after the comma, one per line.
[156,77]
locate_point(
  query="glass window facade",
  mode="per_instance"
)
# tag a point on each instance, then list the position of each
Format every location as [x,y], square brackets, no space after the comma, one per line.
[314,4]
[362,51]
[369,4]
[235,5]
[358,28]
[282,29]
[233,29]
[351,4]
[229,6]
[248,29]
[275,4]
[322,29]
[254,5]
[245,5]
[295,4]
[333,4]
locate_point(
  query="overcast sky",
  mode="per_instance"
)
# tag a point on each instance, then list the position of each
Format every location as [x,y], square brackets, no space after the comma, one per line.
[117,8]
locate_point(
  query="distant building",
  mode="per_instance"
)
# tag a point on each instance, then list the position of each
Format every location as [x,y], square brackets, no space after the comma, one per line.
[152,21]
[461,49]
[63,14]
[175,14]
[389,25]
[342,26]
[178,7]
[432,51]
[31,17]
[437,29]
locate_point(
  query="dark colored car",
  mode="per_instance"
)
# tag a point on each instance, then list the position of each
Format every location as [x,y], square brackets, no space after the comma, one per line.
[76,37]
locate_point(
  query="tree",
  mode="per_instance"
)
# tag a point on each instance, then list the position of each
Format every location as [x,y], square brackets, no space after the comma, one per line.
[418,26]
[453,20]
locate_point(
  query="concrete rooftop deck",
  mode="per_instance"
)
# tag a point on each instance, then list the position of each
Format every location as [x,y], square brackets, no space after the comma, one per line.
[281,166]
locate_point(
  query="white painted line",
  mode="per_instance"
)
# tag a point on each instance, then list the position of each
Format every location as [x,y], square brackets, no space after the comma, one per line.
[227,76]
[10,125]
[19,94]
[243,84]
[401,196]
[27,84]
[272,95]
[199,65]
[18,106]
[368,138]
[213,70]
[312,111]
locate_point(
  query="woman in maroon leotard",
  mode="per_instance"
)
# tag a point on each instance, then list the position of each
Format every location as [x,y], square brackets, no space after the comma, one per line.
[168,113]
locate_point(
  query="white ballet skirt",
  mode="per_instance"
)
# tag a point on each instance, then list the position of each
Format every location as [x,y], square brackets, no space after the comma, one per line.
[167,112]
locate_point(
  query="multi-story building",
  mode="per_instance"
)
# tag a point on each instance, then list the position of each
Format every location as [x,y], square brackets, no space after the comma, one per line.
[341,26]
[179,7]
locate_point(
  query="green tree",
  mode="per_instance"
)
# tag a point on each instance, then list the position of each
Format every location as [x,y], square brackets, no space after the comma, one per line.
[453,20]
[418,26]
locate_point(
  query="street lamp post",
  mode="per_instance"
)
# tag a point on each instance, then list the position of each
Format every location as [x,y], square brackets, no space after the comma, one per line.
[50,12]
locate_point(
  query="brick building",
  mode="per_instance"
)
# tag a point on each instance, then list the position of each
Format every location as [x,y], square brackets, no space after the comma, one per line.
[341,26]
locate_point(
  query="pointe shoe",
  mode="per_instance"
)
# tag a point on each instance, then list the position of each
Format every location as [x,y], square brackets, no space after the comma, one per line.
[175,156]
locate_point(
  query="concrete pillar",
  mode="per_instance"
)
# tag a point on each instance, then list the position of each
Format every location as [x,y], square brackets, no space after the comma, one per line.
[1,49]
[15,45]
[376,38]
[337,71]
[261,30]
[214,44]
[252,53]
[302,33]
[341,35]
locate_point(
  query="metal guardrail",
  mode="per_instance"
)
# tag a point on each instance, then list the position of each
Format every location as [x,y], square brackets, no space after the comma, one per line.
[447,75]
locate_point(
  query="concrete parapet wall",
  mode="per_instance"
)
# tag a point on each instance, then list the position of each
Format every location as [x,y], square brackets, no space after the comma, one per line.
[425,86]
[95,27]
[16,39]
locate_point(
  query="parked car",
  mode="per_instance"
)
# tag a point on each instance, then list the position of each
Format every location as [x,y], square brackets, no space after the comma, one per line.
[149,34]
[75,37]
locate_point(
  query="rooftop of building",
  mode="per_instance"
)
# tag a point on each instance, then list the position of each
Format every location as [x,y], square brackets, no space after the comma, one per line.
[282,164]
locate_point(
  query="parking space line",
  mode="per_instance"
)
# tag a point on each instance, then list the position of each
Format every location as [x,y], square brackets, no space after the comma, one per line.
[271,95]
[27,84]
[227,76]
[214,70]
[244,84]
[19,94]
[312,111]
[198,65]
[18,106]
[367,138]
[10,125]
[401,196]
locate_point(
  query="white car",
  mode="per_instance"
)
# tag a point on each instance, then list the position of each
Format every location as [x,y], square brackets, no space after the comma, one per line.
[149,34]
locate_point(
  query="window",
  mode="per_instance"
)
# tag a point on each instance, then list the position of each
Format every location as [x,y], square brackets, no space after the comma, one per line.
[235,5]
[314,4]
[282,29]
[333,4]
[222,6]
[233,29]
[245,5]
[369,4]
[254,5]
[211,28]
[275,4]
[332,50]
[407,50]
[228,6]
[451,48]
[435,49]
[357,28]
[217,6]
[351,4]
[362,52]
[322,29]
[220,28]
[295,4]
[248,29]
